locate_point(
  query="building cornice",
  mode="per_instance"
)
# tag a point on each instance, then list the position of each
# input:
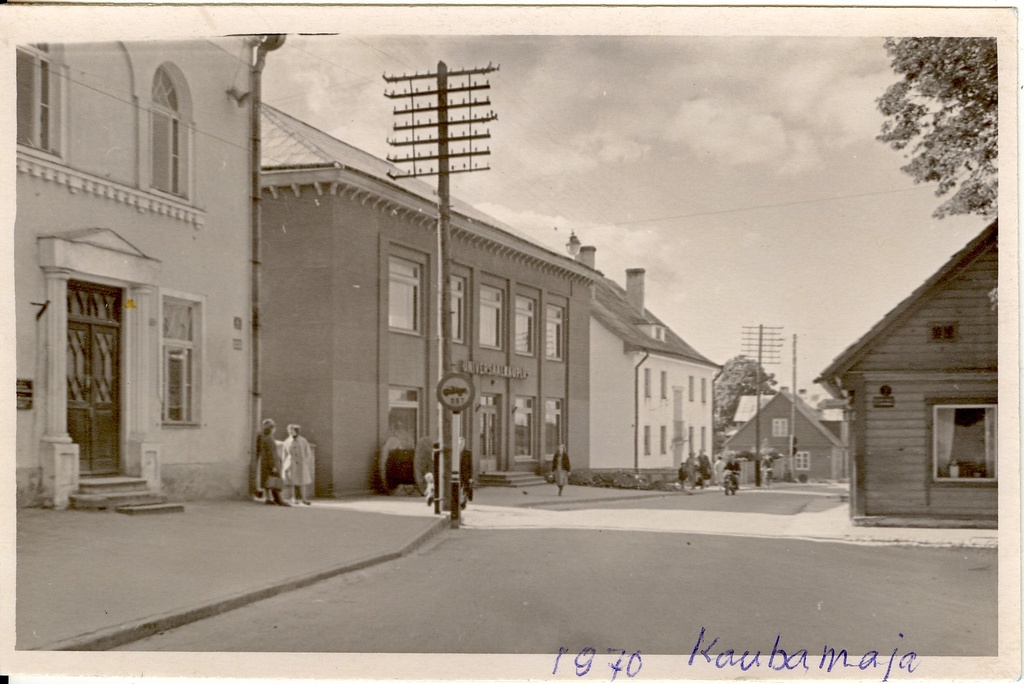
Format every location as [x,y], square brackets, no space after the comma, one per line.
[80,181]
[393,200]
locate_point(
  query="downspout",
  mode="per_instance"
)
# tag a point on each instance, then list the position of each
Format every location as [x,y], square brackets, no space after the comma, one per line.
[636,412]
[263,45]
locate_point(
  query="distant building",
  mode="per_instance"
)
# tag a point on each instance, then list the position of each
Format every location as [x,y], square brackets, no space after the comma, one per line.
[132,267]
[651,402]
[350,316]
[922,387]
[819,453]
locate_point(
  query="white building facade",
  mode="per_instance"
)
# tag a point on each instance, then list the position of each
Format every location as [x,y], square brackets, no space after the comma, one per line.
[651,393]
[132,252]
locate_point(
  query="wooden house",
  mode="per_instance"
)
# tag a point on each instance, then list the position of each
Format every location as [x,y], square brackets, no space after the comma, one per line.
[922,389]
[819,453]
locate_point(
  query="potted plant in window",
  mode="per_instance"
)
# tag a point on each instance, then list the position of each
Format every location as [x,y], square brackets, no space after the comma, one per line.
[954,469]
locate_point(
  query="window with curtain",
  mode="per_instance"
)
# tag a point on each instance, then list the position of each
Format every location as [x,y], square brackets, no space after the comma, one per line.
[37,98]
[404,415]
[524,426]
[180,334]
[965,443]
[525,325]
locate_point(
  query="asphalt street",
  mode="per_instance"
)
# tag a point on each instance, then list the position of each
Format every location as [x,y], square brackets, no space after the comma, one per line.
[539,591]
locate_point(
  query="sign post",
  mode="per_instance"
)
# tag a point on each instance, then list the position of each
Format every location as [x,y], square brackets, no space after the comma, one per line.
[456,392]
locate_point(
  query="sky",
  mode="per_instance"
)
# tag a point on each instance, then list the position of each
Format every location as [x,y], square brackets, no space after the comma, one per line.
[742,173]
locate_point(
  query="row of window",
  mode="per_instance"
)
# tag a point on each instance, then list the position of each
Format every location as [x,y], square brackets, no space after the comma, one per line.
[404,313]
[39,96]
[404,422]
[664,386]
[677,436]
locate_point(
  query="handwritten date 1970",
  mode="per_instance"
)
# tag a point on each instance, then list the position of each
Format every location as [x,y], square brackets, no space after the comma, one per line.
[584,660]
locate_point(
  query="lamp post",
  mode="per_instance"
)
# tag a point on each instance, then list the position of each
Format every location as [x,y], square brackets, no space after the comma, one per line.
[573,245]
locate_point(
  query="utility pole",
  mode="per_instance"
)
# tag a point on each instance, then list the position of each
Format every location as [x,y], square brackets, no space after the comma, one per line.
[792,417]
[431,156]
[767,341]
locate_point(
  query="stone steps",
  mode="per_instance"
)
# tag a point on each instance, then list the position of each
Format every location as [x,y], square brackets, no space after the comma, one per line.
[510,479]
[130,495]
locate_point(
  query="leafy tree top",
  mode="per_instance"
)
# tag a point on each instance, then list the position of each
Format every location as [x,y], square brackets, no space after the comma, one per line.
[738,378]
[945,110]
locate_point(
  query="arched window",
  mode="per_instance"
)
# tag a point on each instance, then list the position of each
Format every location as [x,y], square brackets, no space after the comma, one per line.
[167,136]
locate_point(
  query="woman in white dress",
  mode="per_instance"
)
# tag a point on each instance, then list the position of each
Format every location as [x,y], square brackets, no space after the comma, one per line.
[300,470]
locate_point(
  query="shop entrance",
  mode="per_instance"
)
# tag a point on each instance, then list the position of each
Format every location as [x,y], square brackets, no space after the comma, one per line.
[94,376]
[489,433]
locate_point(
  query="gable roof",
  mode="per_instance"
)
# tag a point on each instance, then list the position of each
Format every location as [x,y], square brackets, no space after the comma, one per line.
[612,309]
[958,262]
[801,408]
[747,405]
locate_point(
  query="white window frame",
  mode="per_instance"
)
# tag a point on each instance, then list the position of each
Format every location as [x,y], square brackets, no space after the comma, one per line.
[177,143]
[663,436]
[703,390]
[555,332]
[526,317]
[524,408]
[402,279]
[647,383]
[458,311]
[45,103]
[991,433]
[553,408]
[194,352]
[802,460]
[780,427]
[690,383]
[647,440]
[664,385]
[492,310]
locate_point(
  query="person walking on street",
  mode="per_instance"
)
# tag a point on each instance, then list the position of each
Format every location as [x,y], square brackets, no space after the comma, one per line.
[300,472]
[269,464]
[560,467]
[719,470]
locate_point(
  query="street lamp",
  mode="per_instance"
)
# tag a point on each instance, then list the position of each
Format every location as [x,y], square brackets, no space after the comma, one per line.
[573,245]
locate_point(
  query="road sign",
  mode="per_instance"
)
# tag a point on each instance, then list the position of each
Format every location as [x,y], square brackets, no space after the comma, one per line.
[455,391]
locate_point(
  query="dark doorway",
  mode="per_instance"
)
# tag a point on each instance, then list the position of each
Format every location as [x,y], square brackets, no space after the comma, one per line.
[94,376]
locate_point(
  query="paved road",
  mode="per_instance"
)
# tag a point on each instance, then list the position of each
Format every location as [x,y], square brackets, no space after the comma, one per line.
[535,591]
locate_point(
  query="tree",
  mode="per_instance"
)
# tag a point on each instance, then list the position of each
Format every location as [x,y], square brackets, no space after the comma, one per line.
[946,108]
[738,377]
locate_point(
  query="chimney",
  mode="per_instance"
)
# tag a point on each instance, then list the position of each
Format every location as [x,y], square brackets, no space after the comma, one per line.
[635,288]
[785,389]
[587,256]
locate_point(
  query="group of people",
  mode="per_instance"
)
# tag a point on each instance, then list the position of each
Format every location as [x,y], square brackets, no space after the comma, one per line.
[697,470]
[280,468]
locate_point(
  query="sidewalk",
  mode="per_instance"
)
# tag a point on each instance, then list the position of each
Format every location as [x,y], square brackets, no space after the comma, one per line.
[93,580]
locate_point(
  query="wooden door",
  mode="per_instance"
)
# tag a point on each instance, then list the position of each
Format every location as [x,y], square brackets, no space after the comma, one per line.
[94,376]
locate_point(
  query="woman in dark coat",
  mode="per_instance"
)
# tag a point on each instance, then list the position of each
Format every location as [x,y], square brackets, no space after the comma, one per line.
[270,463]
[560,467]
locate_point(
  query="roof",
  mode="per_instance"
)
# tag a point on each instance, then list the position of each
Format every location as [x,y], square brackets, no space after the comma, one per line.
[801,407]
[949,270]
[746,405]
[289,144]
[612,309]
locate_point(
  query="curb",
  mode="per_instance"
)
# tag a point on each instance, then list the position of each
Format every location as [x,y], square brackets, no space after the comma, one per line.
[112,637]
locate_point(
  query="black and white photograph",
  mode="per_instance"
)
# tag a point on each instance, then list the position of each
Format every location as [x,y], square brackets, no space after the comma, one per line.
[601,343]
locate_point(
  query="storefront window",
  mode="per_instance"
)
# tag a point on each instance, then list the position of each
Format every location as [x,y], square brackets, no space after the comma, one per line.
[524,426]
[403,415]
[552,425]
[965,442]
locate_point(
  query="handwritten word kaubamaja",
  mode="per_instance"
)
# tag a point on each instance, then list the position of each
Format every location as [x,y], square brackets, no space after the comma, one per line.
[779,659]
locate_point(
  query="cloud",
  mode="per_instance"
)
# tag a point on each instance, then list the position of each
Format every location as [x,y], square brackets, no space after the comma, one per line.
[733,133]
